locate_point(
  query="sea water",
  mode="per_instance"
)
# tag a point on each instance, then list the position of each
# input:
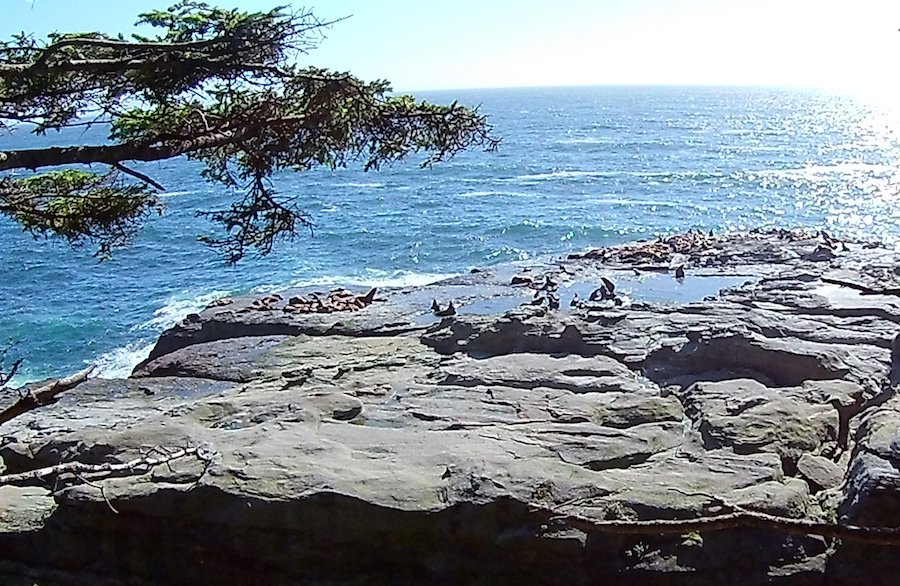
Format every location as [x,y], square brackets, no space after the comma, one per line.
[577,168]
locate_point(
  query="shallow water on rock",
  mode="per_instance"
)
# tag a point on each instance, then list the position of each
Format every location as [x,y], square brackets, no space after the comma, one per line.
[660,287]
[646,288]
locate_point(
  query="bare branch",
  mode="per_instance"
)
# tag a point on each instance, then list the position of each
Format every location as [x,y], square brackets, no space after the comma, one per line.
[734,520]
[139,175]
[140,465]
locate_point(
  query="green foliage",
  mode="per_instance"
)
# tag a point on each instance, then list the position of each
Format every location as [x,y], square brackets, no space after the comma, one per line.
[221,87]
[77,206]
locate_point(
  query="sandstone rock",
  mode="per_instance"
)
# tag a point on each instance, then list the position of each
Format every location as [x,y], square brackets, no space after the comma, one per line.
[449,443]
[819,472]
[528,370]
[24,509]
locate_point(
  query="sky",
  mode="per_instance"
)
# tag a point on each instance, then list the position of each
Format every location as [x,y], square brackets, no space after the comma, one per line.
[457,44]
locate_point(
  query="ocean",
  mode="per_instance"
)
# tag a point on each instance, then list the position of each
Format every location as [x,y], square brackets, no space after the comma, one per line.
[577,168]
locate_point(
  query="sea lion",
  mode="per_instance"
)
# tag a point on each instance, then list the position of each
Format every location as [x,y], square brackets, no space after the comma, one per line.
[575,301]
[679,272]
[610,286]
[370,296]
[604,292]
[220,302]
[449,311]
[549,284]
[552,301]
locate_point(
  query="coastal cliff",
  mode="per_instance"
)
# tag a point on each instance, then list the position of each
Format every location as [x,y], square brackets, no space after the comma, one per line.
[381,443]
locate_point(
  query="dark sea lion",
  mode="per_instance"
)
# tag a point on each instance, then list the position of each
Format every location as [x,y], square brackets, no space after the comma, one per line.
[520,280]
[450,310]
[610,286]
[369,297]
[553,301]
[679,272]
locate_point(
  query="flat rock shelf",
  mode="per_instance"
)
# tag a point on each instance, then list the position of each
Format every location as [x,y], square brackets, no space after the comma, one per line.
[749,373]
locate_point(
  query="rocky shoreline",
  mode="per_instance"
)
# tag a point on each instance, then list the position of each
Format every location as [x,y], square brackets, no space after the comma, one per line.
[382,444]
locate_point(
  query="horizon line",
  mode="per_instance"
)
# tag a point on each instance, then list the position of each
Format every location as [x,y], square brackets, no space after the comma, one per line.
[770,86]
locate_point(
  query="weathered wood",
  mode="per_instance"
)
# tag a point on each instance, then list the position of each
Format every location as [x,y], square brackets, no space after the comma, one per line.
[732,520]
[136,466]
[44,394]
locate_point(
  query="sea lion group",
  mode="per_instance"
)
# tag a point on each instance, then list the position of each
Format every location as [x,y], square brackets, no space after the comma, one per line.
[545,290]
[657,252]
[338,299]
[606,292]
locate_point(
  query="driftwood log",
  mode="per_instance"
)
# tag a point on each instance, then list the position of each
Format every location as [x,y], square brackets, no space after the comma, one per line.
[732,520]
[43,394]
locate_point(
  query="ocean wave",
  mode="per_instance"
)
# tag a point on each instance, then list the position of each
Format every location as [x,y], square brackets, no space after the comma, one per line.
[375,278]
[177,307]
[169,194]
[640,202]
[694,175]
[563,175]
[120,362]
[489,193]
[585,141]
[818,170]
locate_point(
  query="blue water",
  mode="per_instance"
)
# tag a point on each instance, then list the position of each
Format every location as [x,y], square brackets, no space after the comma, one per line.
[577,168]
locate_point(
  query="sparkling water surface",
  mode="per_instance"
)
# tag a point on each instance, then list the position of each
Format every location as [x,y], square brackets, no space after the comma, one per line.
[577,168]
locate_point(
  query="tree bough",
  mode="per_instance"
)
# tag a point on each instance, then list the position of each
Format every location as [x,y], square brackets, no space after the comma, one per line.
[218,86]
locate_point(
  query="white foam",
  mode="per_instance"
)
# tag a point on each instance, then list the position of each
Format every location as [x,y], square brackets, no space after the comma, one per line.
[169,194]
[585,141]
[177,307]
[376,278]
[638,202]
[492,193]
[120,362]
[562,175]
[838,169]
[21,380]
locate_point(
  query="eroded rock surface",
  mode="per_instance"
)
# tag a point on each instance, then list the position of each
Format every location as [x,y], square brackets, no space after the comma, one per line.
[388,445]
